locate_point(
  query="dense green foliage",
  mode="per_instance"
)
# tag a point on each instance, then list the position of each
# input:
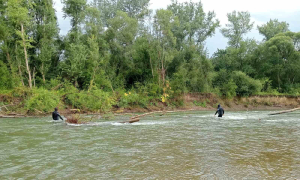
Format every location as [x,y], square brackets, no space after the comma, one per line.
[120,53]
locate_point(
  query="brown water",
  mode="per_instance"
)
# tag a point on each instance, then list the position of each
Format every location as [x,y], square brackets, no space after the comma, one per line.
[192,145]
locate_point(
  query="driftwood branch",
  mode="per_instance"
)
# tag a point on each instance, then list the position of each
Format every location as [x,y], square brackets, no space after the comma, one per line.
[287,111]
[56,87]
[13,116]
[131,121]
[6,106]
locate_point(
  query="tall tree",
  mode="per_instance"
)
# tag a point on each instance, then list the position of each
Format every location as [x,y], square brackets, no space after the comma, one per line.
[120,37]
[95,42]
[17,12]
[272,28]
[75,9]
[280,53]
[45,35]
[164,22]
[239,24]
[136,9]
[195,24]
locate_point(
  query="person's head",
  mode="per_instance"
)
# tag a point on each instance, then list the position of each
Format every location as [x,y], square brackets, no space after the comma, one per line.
[55,109]
[219,105]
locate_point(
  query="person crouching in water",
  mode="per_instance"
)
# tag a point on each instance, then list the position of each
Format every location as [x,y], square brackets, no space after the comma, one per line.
[220,111]
[55,115]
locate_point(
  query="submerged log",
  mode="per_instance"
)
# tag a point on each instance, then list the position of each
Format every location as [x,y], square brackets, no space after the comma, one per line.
[131,121]
[287,111]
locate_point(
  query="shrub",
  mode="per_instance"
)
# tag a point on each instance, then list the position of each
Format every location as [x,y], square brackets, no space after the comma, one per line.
[42,100]
[6,81]
[201,104]
[245,85]
[224,85]
[133,99]
[95,100]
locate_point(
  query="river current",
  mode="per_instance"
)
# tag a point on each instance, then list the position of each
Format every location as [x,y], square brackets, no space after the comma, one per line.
[189,145]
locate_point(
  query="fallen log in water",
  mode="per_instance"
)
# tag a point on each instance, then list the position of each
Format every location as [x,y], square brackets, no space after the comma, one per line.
[131,121]
[287,111]
[15,116]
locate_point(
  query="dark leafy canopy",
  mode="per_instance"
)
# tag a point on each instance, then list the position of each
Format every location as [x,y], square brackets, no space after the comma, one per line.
[115,45]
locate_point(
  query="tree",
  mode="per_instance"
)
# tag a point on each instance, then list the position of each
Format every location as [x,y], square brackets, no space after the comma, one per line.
[136,9]
[194,24]
[280,52]
[45,35]
[75,62]
[239,24]
[93,28]
[17,12]
[272,28]
[164,22]
[120,37]
[75,9]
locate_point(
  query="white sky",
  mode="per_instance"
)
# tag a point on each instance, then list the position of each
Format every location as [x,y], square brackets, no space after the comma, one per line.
[261,11]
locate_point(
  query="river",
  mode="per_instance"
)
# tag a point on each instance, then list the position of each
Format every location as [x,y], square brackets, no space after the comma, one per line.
[190,145]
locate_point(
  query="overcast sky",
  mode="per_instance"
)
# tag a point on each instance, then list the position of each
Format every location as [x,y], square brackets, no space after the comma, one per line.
[261,11]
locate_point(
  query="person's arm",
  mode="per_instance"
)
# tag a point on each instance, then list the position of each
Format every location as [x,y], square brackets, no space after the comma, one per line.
[60,116]
[216,112]
[223,112]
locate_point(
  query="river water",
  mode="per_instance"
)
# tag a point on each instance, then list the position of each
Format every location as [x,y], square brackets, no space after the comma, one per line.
[190,145]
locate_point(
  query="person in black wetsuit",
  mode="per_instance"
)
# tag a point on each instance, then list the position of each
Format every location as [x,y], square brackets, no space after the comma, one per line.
[55,115]
[220,111]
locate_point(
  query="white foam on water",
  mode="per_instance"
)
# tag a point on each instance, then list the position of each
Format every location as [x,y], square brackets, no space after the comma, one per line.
[148,123]
[76,125]
[204,116]
[55,121]
[118,124]
[138,123]
[235,117]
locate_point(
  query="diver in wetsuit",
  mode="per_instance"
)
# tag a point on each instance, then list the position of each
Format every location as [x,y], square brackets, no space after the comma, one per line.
[55,115]
[220,111]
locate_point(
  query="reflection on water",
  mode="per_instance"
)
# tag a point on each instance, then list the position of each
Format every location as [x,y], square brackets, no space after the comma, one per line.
[193,145]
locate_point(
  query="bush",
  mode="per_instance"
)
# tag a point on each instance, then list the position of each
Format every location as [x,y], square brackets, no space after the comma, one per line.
[95,100]
[5,77]
[42,100]
[198,103]
[133,99]
[245,85]
[223,84]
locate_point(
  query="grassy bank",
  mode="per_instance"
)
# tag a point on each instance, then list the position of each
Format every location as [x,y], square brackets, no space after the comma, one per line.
[40,101]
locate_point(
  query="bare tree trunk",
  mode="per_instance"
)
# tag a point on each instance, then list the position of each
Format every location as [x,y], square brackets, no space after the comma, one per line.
[92,81]
[9,61]
[287,111]
[26,58]
[33,76]
[43,74]
[278,79]
[162,66]
[163,71]
[151,68]
[20,74]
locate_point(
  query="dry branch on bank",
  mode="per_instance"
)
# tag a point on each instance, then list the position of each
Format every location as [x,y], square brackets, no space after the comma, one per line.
[287,111]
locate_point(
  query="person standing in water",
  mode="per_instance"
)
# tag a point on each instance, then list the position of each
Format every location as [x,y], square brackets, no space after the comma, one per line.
[56,115]
[220,111]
